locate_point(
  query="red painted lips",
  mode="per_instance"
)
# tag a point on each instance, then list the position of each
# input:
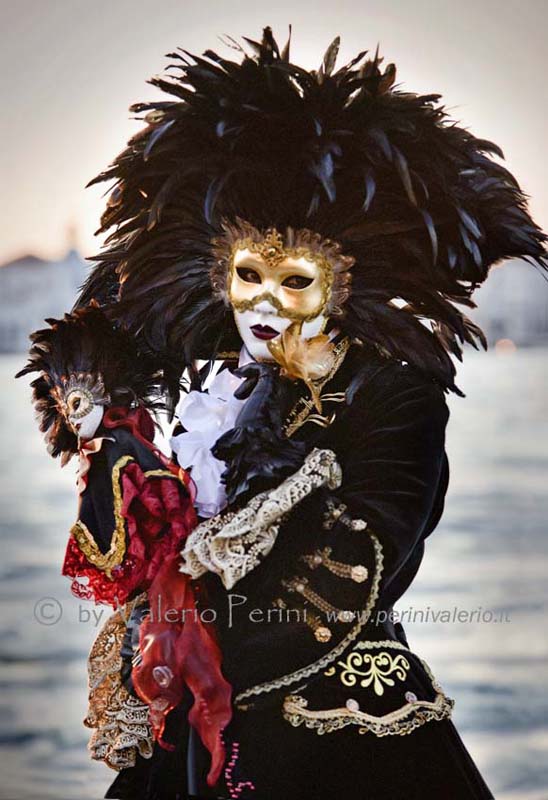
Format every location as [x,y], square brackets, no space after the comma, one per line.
[264,332]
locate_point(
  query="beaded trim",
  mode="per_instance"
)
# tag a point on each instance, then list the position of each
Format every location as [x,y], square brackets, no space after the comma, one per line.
[400,722]
[235,789]
[84,538]
[316,666]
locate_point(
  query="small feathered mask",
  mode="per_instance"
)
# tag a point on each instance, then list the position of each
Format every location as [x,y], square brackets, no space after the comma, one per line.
[85,364]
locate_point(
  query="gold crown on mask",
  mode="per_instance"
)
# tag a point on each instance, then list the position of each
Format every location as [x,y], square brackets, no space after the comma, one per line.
[271,249]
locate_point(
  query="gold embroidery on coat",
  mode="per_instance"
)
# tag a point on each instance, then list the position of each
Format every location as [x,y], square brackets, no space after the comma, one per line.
[401,721]
[363,618]
[300,585]
[321,631]
[336,512]
[84,538]
[354,572]
[377,670]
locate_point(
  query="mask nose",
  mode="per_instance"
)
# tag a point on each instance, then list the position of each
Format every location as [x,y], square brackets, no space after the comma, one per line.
[265,307]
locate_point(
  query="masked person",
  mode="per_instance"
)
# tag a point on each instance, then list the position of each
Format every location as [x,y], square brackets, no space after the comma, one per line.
[314,231]
[135,510]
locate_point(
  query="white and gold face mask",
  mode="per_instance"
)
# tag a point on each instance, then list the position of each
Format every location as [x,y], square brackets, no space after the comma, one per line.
[272,284]
[81,401]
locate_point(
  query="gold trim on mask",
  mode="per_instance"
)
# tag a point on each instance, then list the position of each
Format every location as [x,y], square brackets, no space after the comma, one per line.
[89,389]
[275,256]
[274,265]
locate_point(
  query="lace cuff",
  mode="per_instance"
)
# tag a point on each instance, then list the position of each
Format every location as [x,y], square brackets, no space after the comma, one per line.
[233,544]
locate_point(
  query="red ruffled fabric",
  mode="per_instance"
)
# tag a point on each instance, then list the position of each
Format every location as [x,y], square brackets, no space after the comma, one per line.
[159,515]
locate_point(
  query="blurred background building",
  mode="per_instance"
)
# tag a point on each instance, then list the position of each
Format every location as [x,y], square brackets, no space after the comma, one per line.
[32,289]
[513,305]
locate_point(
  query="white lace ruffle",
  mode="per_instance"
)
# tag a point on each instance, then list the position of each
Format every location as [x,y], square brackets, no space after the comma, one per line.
[233,544]
[205,417]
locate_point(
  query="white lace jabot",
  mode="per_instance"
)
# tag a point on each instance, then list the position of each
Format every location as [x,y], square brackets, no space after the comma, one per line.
[205,416]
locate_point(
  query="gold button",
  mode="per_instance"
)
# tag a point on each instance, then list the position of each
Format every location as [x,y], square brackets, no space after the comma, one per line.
[359,573]
[322,634]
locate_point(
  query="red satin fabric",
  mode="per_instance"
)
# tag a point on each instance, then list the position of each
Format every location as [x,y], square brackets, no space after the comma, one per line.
[137,420]
[177,648]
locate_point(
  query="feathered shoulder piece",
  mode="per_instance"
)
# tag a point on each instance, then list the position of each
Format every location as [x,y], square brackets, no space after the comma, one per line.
[420,204]
[83,354]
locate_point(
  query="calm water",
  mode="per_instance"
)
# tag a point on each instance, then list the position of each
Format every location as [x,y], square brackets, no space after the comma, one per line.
[490,551]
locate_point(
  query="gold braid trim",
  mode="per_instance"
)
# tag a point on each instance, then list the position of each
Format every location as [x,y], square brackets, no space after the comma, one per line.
[354,572]
[84,538]
[399,722]
[322,663]
[161,473]
[300,585]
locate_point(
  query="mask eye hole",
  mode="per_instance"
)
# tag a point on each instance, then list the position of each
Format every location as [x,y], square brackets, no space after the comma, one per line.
[78,404]
[297,282]
[248,275]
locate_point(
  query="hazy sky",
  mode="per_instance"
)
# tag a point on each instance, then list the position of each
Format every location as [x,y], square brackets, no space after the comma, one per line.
[69,69]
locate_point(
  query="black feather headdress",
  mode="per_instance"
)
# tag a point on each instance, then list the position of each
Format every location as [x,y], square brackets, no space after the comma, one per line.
[85,347]
[418,202]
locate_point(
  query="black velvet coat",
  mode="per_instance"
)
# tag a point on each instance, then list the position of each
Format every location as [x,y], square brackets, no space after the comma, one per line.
[330,704]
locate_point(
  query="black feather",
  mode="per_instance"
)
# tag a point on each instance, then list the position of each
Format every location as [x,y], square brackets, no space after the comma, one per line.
[417,200]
